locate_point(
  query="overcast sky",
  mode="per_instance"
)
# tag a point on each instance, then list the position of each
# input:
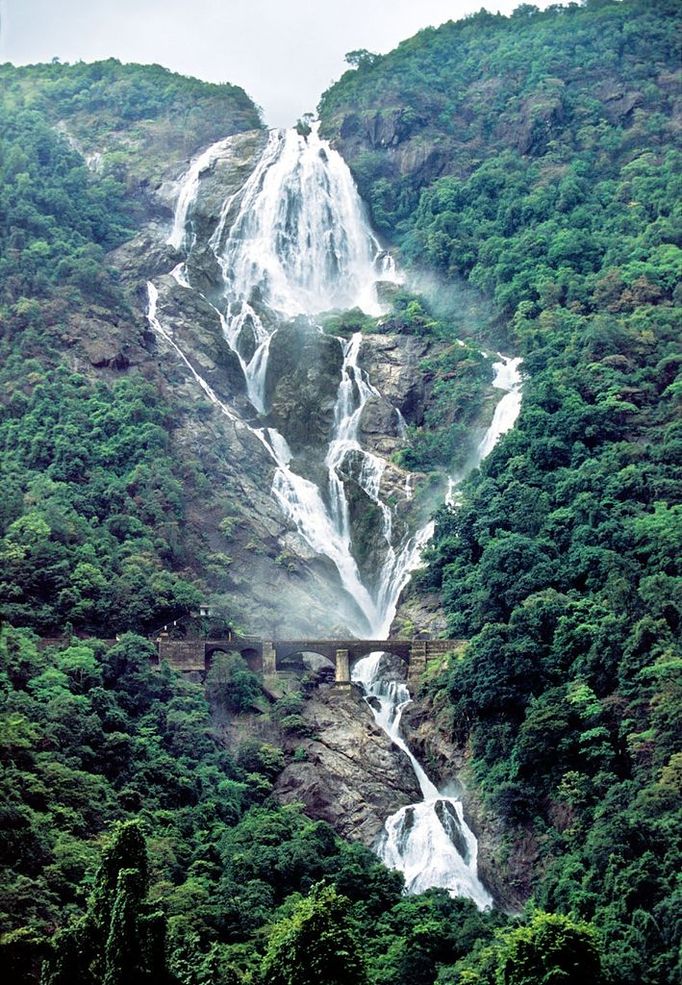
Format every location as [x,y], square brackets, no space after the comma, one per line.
[283,52]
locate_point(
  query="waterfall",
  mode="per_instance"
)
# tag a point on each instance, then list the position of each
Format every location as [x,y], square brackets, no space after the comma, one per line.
[301,240]
[507,378]
[293,241]
[429,842]
[326,531]
[300,244]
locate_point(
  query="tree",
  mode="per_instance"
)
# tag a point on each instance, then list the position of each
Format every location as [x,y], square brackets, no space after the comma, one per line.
[550,950]
[120,940]
[231,684]
[316,945]
[360,58]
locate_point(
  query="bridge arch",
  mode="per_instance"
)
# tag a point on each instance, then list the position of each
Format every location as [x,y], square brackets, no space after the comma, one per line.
[290,661]
[392,657]
[301,658]
[253,659]
[251,653]
[363,648]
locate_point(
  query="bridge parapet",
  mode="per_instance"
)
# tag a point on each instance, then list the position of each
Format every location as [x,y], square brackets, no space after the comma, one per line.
[438,648]
[267,657]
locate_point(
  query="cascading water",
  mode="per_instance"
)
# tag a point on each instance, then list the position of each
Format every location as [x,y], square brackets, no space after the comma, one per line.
[507,378]
[294,241]
[429,842]
[180,234]
[299,244]
[300,240]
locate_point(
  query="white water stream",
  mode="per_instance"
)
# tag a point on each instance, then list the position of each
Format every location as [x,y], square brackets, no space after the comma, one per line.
[429,842]
[294,240]
[189,188]
[507,378]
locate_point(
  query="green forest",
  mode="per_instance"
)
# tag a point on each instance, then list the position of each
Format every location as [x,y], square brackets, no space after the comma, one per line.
[559,199]
[533,161]
[92,516]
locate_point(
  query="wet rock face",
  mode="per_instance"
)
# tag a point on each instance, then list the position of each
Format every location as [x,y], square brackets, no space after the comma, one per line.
[392,362]
[447,815]
[225,176]
[353,776]
[422,613]
[196,328]
[145,256]
[538,118]
[380,427]
[304,370]
[105,344]
[369,546]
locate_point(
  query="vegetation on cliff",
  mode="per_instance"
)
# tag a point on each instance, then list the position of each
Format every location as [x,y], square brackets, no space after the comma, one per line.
[531,156]
[92,518]
[93,734]
[535,156]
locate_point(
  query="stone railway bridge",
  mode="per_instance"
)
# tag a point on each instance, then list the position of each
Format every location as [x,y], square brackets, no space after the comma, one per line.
[272,657]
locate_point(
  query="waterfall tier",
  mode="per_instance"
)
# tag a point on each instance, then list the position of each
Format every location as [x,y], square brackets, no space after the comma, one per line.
[292,243]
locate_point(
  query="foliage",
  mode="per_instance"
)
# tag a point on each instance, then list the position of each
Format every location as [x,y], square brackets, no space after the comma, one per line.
[120,940]
[549,948]
[93,735]
[316,945]
[570,81]
[360,58]
[531,156]
[55,223]
[348,322]
[455,378]
[231,684]
[119,115]
[91,523]
[548,177]
[89,534]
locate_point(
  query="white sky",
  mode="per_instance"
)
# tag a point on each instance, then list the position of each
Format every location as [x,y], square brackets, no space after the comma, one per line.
[284,53]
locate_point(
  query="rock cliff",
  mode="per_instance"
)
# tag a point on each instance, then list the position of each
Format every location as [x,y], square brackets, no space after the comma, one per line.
[245,548]
[353,776]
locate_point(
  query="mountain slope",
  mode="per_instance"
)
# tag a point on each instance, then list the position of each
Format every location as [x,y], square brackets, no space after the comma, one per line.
[537,156]
[532,156]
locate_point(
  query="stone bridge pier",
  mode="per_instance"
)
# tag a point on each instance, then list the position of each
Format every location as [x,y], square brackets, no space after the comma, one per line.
[342,669]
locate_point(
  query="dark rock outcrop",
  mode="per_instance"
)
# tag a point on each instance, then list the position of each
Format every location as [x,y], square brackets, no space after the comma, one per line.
[304,370]
[392,362]
[447,815]
[353,776]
